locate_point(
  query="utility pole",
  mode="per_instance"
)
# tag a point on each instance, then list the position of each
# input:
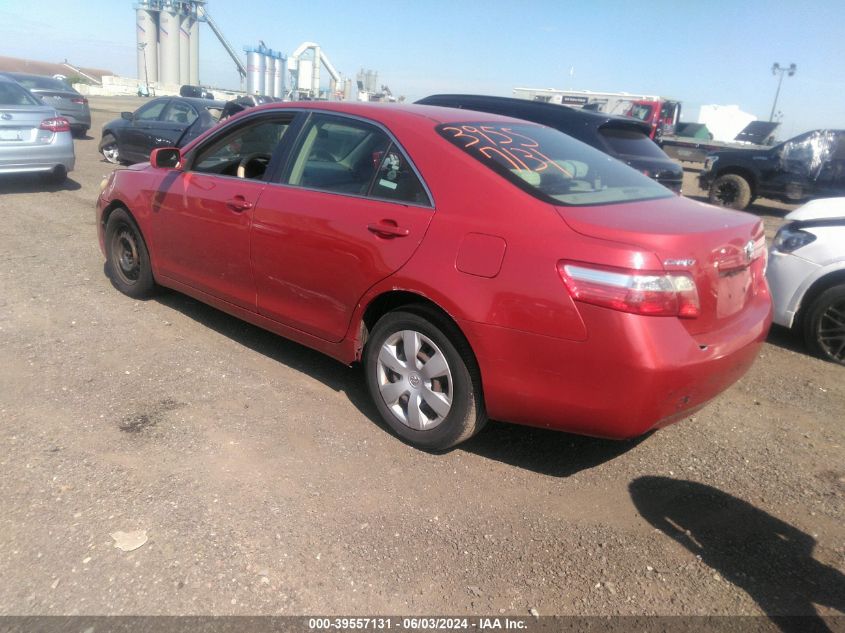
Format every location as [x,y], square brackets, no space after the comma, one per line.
[777,69]
[143,47]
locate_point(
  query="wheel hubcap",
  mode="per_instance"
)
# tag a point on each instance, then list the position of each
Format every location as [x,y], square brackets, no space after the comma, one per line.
[125,251]
[831,333]
[414,380]
[111,153]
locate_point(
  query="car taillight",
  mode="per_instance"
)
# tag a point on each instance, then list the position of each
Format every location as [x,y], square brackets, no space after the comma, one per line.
[57,124]
[79,100]
[636,291]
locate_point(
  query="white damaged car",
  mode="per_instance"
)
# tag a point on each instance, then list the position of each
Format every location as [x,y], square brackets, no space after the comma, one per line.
[807,276]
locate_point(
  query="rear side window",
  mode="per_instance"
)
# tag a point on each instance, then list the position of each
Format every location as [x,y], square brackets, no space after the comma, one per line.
[214,112]
[630,143]
[180,112]
[338,155]
[396,179]
[348,156]
[551,165]
[42,83]
[151,111]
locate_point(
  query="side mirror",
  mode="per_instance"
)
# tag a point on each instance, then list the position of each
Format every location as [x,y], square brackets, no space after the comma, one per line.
[129,116]
[166,158]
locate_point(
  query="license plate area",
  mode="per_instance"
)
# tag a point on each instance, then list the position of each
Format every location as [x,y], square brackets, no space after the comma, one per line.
[733,288]
[13,134]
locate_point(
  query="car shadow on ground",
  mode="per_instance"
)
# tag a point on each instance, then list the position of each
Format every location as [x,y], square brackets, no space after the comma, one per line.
[769,559]
[787,339]
[543,451]
[336,375]
[34,183]
[539,450]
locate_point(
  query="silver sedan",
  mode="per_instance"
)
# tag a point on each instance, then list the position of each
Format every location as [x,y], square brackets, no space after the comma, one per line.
[33,137]
[56,93]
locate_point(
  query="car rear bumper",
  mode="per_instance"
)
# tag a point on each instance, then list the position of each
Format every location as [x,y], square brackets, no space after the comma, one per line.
[640,374]
[78,119]
[38,158]
[673,185]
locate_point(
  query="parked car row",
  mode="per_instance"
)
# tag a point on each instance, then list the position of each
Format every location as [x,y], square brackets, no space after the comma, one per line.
[475,264]
[33,137]
[56,93]
[811,165]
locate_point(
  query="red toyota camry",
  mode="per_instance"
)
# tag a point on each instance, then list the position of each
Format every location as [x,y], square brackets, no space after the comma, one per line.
[477,266]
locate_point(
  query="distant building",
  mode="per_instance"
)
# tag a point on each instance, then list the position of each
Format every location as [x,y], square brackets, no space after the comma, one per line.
[13,64]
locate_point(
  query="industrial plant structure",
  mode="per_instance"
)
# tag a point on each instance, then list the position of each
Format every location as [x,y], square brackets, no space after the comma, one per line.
[168,54]
[168,41]
[265,71]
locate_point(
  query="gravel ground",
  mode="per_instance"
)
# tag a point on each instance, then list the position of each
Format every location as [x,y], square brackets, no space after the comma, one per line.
[265,486]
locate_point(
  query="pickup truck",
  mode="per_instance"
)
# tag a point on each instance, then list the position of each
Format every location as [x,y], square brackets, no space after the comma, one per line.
[811,165]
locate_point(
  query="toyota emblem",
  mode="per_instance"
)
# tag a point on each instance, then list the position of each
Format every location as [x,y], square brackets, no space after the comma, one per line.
[749,250]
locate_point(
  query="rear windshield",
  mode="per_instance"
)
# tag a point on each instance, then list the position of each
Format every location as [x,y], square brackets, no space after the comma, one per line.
[551,165]
[11,94]
[630,143]
[42,83]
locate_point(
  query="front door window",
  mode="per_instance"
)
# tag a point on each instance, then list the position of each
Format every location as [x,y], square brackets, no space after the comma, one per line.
[245,152]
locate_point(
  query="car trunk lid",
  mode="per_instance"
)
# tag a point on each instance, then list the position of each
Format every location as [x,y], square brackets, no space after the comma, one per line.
[63,101]
[19,125]
[723,250]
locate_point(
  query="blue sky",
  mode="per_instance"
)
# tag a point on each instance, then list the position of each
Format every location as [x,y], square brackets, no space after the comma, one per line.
[715,52]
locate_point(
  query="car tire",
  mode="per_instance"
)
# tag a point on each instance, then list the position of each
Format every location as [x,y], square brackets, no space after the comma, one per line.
[57,176]
[110,150]
[824,325]
[438,402]
[730,190]
[127,258]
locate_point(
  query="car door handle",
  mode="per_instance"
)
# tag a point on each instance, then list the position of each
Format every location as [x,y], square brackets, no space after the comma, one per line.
[239,204]
[388,228]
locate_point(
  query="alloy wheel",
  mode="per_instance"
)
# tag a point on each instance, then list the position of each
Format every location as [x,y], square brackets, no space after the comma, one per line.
[831,331]
[727,193]
[111,153]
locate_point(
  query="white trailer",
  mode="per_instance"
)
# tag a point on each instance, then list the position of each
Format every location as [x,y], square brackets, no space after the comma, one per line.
[607,102]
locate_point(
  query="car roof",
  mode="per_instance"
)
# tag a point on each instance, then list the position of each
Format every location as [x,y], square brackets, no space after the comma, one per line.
[196,101]
[21,77]
[17,74]
[545,113]
[388,112]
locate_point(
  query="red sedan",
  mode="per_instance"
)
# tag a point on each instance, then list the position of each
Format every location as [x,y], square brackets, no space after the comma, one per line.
[477,266]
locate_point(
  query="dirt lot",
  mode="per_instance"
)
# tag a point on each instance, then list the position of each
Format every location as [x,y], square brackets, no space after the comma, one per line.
[265,485]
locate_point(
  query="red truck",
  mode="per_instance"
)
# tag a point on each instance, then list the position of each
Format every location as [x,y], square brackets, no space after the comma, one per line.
[661,113]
